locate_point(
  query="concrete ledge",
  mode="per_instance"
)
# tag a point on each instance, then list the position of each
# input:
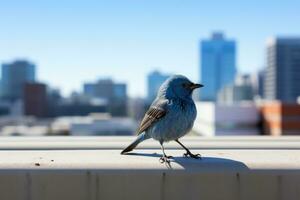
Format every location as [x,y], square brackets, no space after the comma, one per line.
[91,174]
[273,161]
[109,143]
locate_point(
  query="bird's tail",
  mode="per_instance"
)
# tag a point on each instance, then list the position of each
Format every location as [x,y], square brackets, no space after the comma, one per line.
[141,137]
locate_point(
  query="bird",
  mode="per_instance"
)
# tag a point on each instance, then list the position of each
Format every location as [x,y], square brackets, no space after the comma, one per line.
[170,116]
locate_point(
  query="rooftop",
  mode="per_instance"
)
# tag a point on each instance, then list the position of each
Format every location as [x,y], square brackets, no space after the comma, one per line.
[247,167]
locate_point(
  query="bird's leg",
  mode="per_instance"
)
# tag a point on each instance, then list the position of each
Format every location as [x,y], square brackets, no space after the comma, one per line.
[164,158]
[188,153]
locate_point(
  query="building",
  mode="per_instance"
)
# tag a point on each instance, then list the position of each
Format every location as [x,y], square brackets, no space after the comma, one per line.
[77,109]
[120,91]
[103,88]
[137,107]
[24,130]
[258,83]
[114,94]
[106,126]
[14,76]
[96,124]
[4,108]
[280,118]
[282,80]
[218,65]
[236,119]
[89,89]
[119,101]
[240,91]
[24,126]
[77,104]
[154,81]
[35,99]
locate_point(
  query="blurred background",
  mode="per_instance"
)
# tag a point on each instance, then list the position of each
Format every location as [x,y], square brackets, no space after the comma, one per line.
[94,67]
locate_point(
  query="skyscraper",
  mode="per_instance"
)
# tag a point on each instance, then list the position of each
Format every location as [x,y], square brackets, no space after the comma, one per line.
[154,81]
[218,65]
[282,79]
[14,77]
[115,95]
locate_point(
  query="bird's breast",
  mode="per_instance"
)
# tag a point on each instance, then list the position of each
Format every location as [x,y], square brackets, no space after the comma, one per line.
[176,123]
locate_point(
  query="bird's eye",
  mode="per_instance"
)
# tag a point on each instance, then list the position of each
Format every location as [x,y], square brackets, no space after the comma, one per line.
[185,85]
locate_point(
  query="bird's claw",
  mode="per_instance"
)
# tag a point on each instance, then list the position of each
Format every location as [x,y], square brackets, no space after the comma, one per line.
[189,154]
[165,159]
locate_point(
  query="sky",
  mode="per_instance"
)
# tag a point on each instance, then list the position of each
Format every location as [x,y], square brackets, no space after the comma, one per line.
[73,41]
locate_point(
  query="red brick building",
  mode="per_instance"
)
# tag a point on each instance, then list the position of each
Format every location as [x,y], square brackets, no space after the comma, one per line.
[280,118]
[35,99]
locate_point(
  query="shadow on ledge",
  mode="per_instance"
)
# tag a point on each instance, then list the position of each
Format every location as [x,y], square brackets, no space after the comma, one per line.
[205,164]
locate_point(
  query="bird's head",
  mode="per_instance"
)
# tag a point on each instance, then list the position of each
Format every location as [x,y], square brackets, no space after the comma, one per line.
[178,86]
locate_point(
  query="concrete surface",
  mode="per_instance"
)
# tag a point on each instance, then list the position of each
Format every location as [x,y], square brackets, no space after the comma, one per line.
[108,142]
[92,174]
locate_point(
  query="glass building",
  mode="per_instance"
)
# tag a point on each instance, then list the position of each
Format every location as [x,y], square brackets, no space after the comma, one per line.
[154,81]
[282,78]
[14,77]
[218,65]
[114,94]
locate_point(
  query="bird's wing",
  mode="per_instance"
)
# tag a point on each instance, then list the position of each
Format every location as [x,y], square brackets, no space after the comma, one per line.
[152,115]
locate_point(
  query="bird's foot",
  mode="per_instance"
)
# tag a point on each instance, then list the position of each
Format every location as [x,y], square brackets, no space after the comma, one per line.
[189,154]
[165,159]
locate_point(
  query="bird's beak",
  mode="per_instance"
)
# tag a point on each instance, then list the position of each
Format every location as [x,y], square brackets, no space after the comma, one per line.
[195,85]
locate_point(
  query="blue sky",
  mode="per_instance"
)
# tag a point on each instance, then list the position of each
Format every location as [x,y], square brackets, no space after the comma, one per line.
[75,41]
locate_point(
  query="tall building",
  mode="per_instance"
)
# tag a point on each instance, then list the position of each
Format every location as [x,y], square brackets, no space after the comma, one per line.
[120,91]
[282,79]
[114,94]
[154,81]
[239,91]
[35,99]
[14,77]
[257,80]
[218,65]
[119,100]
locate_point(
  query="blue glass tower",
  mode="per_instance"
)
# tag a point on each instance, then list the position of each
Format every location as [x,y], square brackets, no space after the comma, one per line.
[154,81]
[218,65]
[14,76]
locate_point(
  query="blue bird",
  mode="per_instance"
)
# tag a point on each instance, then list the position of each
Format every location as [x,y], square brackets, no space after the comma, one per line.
[170,116]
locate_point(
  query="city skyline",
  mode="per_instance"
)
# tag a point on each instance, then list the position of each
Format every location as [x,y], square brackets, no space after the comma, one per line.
[116,38]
